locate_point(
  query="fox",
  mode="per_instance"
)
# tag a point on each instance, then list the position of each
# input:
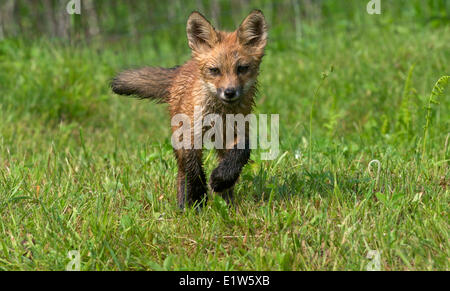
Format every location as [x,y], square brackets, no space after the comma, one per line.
[220,78]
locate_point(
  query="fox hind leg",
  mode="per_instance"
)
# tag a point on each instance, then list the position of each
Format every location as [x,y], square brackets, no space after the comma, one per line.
[191,180]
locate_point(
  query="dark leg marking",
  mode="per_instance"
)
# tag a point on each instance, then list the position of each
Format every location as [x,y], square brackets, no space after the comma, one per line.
[227,172]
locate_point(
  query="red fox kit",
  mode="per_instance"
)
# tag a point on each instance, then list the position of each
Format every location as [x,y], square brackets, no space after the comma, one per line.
[220,78]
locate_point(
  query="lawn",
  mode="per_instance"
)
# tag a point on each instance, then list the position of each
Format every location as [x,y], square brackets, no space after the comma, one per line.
[83,169]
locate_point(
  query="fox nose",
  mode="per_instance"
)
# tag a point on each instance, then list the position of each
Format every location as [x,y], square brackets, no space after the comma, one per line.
[230,92]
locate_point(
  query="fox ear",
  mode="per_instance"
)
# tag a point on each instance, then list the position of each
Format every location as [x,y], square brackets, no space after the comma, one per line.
[200,32]
[253,30]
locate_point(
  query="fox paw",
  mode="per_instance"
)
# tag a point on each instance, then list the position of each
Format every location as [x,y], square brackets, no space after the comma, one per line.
[221,179]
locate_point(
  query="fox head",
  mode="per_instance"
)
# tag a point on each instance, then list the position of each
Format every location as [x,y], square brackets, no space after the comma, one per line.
[228,61]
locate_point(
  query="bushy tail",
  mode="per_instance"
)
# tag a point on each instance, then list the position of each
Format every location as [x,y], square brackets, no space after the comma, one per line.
[146,82]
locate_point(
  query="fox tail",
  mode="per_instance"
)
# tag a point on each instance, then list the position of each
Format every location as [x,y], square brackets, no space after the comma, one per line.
[149,82]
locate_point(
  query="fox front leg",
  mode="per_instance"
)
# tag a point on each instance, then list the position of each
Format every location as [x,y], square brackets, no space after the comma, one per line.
[191,178]
[227,172]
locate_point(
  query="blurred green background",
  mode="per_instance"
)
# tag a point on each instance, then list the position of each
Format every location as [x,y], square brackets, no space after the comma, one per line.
[288,19]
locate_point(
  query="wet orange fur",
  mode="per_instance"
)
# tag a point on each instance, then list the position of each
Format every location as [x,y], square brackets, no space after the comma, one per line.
[193,84]
[188,88]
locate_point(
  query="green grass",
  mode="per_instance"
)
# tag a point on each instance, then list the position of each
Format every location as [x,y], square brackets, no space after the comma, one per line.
[83,169]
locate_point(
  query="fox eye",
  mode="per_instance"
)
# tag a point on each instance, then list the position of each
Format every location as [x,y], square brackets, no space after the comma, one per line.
[242,69]
[214,71]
